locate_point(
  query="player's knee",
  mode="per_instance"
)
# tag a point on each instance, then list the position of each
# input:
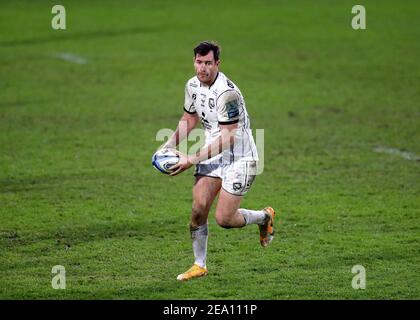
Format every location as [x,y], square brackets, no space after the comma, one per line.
[199,213]
[199,209]
[223,222]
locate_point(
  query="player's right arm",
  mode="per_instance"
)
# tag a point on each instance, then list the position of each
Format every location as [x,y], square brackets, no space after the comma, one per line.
[187,122]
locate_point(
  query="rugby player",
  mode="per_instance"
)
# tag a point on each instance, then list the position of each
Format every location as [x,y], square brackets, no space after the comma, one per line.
[226,165]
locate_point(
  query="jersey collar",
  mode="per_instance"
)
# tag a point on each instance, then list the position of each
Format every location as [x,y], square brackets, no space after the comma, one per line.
[214,81]
[217,76]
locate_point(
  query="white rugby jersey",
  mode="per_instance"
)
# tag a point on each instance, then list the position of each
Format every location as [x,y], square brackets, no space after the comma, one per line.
[221,103]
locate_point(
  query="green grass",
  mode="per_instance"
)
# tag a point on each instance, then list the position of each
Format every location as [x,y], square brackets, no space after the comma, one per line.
[77,188]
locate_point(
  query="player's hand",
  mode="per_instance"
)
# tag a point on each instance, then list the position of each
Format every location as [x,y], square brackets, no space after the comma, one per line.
[183,164]
[167,146]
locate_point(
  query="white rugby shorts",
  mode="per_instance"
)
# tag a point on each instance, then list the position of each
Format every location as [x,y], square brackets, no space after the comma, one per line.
[237,177]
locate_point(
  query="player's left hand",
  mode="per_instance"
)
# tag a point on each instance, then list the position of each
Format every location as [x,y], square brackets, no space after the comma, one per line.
[183,164]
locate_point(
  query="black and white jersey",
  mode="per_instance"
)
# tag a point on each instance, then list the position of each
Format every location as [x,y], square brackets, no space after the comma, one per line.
[221,103]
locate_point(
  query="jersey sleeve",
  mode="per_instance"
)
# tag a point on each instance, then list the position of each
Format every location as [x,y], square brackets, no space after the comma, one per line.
[228,107]
[189,104]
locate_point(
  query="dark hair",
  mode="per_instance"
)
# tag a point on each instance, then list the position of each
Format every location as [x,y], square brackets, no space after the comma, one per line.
[205,47]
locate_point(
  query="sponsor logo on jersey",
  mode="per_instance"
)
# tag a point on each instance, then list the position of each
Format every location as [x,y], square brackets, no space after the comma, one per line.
[203,99]
[230,84]
[205,122]
[232,109]
[211,103]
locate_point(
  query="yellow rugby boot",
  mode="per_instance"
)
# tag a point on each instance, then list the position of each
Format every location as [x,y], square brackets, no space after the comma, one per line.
[267,229]
[194,272]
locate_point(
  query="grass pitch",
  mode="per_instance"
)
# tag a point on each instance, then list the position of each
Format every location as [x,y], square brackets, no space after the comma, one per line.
[80,108]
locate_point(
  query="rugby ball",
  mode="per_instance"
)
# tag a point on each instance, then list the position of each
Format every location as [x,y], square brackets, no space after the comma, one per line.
[163,159]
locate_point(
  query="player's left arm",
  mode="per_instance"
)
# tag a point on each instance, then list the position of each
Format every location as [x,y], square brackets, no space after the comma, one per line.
[223,142]
[228,112]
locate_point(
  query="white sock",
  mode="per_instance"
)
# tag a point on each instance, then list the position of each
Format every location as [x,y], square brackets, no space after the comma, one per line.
[253,216]
[199,236]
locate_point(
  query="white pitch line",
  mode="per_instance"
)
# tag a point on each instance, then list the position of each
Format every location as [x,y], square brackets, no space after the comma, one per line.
[402,153]
[71,57]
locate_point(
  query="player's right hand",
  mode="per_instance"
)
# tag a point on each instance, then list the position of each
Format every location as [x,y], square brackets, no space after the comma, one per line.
[183,164]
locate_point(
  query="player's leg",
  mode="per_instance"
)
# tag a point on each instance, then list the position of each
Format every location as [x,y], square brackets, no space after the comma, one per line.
[238,179]
[205,191]
[229,215]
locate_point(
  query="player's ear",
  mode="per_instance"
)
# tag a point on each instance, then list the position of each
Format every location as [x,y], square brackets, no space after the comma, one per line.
[217,62]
